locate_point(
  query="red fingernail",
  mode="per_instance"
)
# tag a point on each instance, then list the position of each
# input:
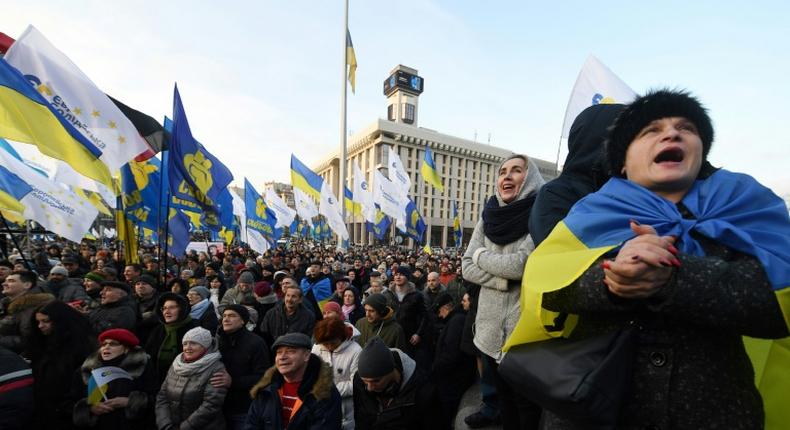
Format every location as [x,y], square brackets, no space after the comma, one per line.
[676,262]
[673,250]
[605,264]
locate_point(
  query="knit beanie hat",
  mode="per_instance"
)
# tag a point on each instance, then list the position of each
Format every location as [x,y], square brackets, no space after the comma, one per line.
[59,270]
[378,302]
[654,105]
[375,359]
[123,336]
[203,291]
[242,310]
[147,279]
[246,278]
[200,336]
[334,307]
[262,288]
[95,276]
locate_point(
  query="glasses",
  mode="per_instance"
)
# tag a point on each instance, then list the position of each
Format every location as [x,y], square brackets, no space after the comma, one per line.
[111,343]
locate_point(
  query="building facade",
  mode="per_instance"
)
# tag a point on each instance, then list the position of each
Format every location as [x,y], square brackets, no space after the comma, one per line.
[467,168]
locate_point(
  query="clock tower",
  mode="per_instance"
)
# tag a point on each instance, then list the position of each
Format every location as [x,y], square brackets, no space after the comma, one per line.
[403,88]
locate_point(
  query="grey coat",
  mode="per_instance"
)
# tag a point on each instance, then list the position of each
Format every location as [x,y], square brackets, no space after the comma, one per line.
[191,402]
[498,270]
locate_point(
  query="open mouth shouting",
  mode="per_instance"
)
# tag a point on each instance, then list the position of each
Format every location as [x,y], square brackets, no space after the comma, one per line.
[670,155]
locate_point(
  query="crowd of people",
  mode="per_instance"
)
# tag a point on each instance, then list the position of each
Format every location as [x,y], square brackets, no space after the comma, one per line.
[382,337]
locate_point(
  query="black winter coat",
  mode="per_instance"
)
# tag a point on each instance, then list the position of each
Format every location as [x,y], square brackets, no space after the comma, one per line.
[120,314]
[157,336]
[321,404]
[16,391]
[277,322]
[246,358]
[416,405]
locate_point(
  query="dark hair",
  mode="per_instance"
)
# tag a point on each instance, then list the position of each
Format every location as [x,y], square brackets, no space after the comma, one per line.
[71,332]
[26,276]
[6,263]
[137,268]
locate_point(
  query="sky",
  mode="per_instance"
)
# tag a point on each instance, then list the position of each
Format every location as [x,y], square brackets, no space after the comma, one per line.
[262,79]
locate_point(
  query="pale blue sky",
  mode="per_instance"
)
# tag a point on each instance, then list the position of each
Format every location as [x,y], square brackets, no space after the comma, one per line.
[260,79]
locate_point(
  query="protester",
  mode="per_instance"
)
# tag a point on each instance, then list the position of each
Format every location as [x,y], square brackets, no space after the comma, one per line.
[433,288]
[298,392]
[495,259]
[146,297]
[57,346]
[380,322]
[127,402]
[202,310]
[243,289]
[187,400]
[335,345]
[164,342]
[246,358]
[316,287]
[60,286]
[692,289]
[116,309]
[391,392]
[290,316]
[22,297]
[352,307]
[411,315]
[16,391]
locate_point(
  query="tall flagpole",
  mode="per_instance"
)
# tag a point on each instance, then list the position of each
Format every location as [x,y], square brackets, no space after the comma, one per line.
[343,155]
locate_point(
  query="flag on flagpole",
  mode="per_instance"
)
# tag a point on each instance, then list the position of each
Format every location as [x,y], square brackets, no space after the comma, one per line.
[260,218]
[305,179]
[351,62]
[12,190]
[99,382]
[595,84]
[305,206]
[26,116]
[457,230]
[76,98]
[149,128]
[285,215]
[388,197]
[379,225]
[397,173]
[429,172]
[52,205]
[415,226]
[330,209]
[363,194]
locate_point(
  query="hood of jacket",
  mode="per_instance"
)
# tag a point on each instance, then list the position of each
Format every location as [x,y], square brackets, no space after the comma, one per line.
[532,182]
[178,298]
[317,380]
[408,364]
[586,142]
[29,300]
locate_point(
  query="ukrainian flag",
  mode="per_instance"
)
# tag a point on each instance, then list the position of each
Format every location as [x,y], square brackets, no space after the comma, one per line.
[25,116]
[305,179]
[352,207]
[351,62]
[12,190]
[730,208]
[457,230]
[429,172]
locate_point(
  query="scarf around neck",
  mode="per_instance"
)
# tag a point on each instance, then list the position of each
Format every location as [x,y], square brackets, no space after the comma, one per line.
[182,368]
[170,344]
[508,223]
[199,309]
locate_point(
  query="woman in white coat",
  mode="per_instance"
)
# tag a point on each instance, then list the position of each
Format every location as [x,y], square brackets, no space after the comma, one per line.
[335,345]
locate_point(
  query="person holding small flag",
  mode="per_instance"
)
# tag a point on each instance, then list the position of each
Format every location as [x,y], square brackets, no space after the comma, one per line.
[119,384]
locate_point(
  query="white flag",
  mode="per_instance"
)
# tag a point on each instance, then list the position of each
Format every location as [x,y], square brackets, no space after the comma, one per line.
[285,215]
[388,197]
[256,241]
[53,206]
[240,210]
[305,206]
[397,173]
[363,195]
[330,208]
[66,174]
[76,98]
[595,84]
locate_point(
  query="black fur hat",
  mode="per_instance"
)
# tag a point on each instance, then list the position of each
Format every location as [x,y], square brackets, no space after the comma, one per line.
[654,105]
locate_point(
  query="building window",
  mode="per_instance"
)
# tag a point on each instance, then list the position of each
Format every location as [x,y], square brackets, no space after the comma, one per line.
[391,112]
[408,113]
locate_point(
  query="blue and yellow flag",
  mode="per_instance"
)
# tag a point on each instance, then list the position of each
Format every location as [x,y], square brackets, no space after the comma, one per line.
[140,191]
[729,208]
[352,207]
[379,228]
[26,116]
[194,173]
[458,232]
[351,62]
[12,190]
[415,226]
[259,217]
[429,172]
[305,179]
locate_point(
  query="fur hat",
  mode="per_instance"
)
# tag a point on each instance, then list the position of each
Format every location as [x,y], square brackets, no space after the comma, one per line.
[200,336]
[375,360]
[654,105]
